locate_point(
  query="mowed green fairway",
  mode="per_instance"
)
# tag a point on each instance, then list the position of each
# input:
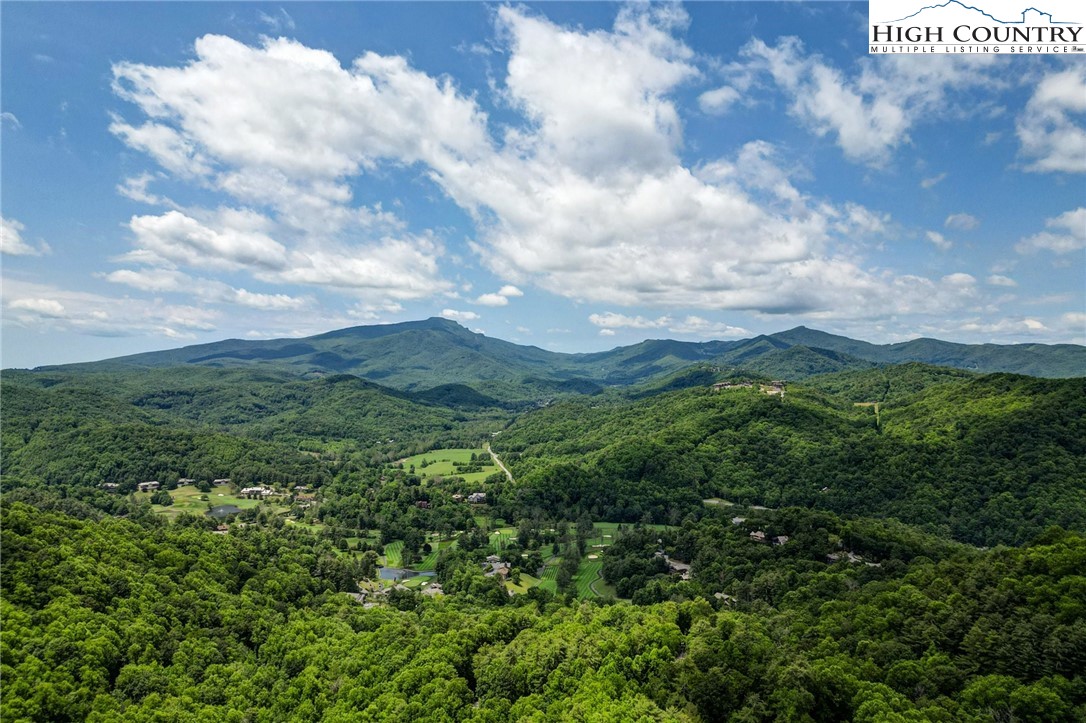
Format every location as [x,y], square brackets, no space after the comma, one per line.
[187,499]
[501,537]
[549,580]
[430,561]
[588,573]
[440,464]
[394,554]
[585,582]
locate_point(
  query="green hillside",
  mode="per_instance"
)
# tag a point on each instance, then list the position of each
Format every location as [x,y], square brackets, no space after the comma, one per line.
[887,384]
[133,425]
[989,460]
[681,539]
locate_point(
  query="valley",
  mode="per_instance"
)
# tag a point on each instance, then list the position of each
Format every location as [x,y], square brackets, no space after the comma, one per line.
[415,522]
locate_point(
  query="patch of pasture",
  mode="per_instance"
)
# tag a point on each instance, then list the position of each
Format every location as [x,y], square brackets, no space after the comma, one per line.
[312,528]
[441,463]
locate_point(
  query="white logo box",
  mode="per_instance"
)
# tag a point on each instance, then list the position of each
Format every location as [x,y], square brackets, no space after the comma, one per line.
[1025,27]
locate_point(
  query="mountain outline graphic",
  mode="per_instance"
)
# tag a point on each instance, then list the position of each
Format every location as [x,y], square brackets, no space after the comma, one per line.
[986,14]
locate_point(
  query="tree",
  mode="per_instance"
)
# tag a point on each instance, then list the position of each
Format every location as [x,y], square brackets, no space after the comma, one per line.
[567,569]
[161,497]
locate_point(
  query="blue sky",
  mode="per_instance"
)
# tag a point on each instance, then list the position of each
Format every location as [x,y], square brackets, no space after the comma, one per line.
[574,176]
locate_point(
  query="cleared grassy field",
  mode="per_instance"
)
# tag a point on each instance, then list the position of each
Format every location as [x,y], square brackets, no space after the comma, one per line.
[353,541]
[526,583]
[312,528]
[440,464]
[187,499]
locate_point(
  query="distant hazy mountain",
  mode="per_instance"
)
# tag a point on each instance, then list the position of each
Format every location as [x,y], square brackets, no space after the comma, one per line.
[421,355]
[1038,360]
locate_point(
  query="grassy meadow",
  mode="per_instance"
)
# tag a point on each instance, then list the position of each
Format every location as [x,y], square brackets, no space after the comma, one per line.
[441,463]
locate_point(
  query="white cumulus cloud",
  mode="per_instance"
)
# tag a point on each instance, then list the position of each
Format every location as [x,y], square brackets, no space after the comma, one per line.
[12,242]
[217,122]
[1067,233]
[961,222]
[690,325]
[1052,128]
[940,241]
[719,100]
[460,316]
[869,112]
[499,298]
[41,306]
[588,197]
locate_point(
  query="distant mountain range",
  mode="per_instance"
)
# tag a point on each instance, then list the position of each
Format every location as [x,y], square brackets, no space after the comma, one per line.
[421,355]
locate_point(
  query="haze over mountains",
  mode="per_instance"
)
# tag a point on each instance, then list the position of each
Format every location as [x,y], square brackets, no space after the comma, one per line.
[425,354]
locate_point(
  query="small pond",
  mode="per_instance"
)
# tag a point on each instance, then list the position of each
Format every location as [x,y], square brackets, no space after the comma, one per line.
[399,573]
[221,511]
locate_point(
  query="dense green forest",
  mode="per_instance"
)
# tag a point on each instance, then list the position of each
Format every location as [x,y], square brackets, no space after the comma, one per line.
[108,619]
[989,460]
[677,537]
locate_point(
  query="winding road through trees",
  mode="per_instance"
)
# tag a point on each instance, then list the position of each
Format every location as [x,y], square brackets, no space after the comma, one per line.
[497,461]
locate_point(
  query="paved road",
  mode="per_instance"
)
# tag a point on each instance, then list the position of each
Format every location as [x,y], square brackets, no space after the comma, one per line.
[494,456]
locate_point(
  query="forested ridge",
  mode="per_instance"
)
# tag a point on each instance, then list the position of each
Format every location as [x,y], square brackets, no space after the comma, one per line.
[704,545]
[992,459]
[417,355]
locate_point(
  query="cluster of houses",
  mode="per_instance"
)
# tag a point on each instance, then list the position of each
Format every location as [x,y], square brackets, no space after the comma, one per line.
[682,568]
[759,536]
[774,387]
[371,598]
[258,490]
[475,498]
[495,566]
[720,386]
[851,557]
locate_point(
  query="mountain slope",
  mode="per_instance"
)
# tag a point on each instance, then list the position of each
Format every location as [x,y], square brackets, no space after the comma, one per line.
[420,355]
[1042,360]
[993,459]
[138,423]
